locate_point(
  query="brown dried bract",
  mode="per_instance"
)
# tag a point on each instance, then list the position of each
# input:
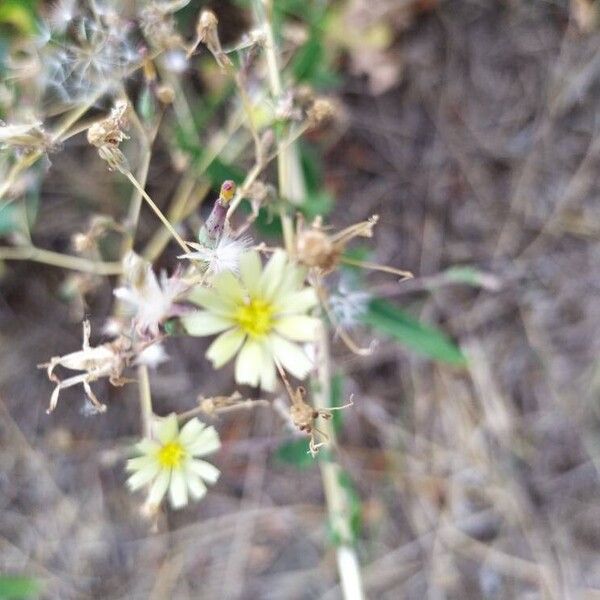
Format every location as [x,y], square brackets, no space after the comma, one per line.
[316,248]
[304,417]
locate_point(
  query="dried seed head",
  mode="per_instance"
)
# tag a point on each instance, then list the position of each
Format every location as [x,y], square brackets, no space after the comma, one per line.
[165,94]
[109,130]
[305,96]
[321,111]
[303,416]
[106,135]
[314,248]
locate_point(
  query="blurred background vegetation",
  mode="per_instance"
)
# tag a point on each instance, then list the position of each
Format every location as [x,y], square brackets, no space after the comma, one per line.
[471,454]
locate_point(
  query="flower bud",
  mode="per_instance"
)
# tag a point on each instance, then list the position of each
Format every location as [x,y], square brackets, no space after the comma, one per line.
[207,34]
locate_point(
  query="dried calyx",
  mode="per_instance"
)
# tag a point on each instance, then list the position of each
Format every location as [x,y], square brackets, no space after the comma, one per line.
[107,135]
[316,248]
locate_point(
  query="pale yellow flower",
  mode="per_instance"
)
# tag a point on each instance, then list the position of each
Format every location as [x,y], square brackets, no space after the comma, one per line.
[169,462]
[261,315]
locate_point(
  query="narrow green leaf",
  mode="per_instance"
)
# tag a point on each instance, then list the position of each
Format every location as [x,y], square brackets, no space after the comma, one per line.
[312,165]
[295,453]
[409,331]
[309,59]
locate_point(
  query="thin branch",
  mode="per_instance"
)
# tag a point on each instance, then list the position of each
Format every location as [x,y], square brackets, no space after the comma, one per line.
[56,259]
[155,208]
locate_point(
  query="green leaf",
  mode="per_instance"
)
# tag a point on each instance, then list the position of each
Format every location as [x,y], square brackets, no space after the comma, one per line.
[317,203]
[308,60]
[295,453]
[18,587]
[219,171]
[410,332]
[311,161]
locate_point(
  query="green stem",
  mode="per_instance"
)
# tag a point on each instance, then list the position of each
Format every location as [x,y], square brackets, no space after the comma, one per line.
[291,185]
[146,412]
[336,496]
[286,153]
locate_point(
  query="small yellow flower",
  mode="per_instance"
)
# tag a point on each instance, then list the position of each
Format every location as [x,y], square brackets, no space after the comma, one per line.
[170,462]
[261,314]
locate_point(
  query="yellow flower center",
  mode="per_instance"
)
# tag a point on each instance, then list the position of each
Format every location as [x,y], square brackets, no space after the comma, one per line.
[171,455]
[255,318]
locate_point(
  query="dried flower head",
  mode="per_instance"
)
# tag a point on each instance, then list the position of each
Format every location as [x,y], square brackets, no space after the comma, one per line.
[316,248]
[170,462]
[150,301]
[108,360]
[261,315]
[320,111]
[207,34]
[304,417]
[106,135]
